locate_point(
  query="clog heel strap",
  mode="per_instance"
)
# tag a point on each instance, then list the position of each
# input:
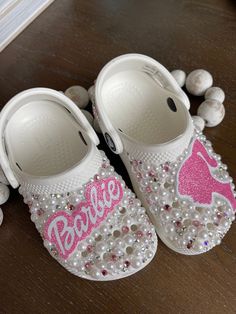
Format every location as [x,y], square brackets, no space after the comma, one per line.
[121,65]
[34,95]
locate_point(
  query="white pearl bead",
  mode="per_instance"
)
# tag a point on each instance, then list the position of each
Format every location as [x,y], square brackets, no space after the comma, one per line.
[215,93]
[149,254]
[88,116]
[110,266]
[179,76]
[203,234]
[212,111]
[100,247]
[169,228]
[96,126]
[136,263]
[129,239]
[198,247]
[78,95]
[1,216]
[91,92]
[198,122]
[198,81]
[95,274]
[4,193]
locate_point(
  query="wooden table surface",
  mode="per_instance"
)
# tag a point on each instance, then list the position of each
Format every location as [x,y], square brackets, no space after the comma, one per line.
[68,44]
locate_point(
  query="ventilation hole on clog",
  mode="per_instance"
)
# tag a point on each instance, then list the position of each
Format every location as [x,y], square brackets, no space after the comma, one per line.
[133,227]
[187,222]
[167,185]
[123,210]
[98,238]
[18,166]
[116,233]
[129,250]
[171,104]
[176,204]
[84,253]
[105,256]
[82,138]
[199,209]
[210,226]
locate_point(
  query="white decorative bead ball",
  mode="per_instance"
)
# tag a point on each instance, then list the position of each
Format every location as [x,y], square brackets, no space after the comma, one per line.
[96,126]
[198,81]
[179,76]
[78,95]
[1,216]
[198,122]
[88,116]
[91,92]
[212,111]
[4,193]
[3,179]
[215,93]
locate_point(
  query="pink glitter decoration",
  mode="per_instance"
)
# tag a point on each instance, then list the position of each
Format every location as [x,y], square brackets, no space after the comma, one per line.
[196,180]
[66,230]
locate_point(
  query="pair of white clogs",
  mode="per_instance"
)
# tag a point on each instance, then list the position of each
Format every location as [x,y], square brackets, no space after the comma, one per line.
[90,222]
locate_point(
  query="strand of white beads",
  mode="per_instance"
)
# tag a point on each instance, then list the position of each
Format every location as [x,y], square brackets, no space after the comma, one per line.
[199,82]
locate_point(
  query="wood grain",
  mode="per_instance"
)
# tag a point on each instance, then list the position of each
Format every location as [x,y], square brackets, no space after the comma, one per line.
[68,44]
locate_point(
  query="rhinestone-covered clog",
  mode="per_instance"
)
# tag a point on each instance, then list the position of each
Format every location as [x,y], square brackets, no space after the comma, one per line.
[90,222]
[183,184]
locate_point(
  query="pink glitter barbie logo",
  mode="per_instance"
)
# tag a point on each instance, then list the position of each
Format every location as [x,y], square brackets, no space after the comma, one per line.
[66,230]
[196,180]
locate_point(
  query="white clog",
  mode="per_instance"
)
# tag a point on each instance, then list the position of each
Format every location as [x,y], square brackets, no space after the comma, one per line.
[144,117]
[91,223]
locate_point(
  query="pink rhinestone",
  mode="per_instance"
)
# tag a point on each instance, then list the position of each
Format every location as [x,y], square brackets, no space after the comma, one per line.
[196,223]
[88,265]
[151,173]
[89,248]
[131,201]
[96,177]
[125,229]
[40,212]
[219,216]
[54,251]
[127,264]
[139,175]
[70,207]
[167,207]
[190,244]
[135,163]
[104,272]
[166,167]
[114,258]
[139,234]
[178,224]
[148,189]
